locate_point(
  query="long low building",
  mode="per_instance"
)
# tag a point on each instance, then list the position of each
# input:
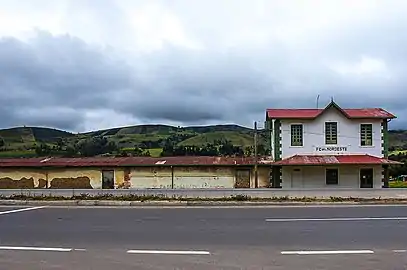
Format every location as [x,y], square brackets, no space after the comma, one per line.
[134,173]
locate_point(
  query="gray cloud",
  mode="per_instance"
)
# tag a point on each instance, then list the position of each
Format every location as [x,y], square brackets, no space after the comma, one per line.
[57,80]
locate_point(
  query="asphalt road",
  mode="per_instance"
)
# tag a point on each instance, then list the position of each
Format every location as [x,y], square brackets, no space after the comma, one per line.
[368,237]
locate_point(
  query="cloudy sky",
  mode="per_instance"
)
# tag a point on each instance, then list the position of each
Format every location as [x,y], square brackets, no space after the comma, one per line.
[81,65]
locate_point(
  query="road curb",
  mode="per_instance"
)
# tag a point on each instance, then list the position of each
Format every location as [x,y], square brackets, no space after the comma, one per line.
[182,203]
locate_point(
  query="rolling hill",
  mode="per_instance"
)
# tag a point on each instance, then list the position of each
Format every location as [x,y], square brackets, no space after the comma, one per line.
[21,141]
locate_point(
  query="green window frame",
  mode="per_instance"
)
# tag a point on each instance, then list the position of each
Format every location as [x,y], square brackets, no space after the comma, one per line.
[331,133]
[297,135]
[366,134]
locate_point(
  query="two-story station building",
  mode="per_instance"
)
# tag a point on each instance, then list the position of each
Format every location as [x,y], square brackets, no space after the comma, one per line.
[330,147]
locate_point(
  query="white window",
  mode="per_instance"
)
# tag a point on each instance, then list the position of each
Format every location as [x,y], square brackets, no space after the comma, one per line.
[366,134]
[331,133]
[297,135]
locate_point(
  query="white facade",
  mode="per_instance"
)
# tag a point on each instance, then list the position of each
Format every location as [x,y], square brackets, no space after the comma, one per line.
[314,136]
[311,177]
[347,140]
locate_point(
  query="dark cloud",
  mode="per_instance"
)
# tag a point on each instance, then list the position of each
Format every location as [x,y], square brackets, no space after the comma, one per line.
[55,80]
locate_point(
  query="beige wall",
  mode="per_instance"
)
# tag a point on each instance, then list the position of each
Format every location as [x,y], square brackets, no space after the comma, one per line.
[21,178]
[204,177]
[135,177]
[150,177]
[51,178]
[314,177]
[263,176]
[75,178]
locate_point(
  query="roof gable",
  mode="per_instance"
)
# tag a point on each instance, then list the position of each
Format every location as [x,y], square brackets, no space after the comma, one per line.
[332,105]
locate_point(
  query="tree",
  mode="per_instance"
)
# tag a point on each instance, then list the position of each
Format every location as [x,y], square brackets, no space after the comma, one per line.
[96,146]
[137,151]
[43,150]
[2,142]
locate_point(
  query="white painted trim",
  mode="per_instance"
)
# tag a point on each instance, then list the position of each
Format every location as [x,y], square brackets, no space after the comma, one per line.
[35,249]
[326,252]
[21,210]
[333,219]
[169,252]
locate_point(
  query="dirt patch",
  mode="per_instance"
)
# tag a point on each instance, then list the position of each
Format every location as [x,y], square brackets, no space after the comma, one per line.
[42,183]
[9,183]
[82,182]
[242,179]
[126,181]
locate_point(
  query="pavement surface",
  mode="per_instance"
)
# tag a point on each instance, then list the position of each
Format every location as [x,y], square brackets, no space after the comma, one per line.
[310,237]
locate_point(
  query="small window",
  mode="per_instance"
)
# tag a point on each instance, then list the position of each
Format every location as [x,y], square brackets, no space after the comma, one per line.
[331,176]
[366,134]
[107,179]
[331,133]
[296,135]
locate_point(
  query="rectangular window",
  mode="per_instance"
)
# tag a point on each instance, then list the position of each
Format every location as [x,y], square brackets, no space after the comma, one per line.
[331,133]
[331,176]
[108,179]
[297,135]
[366,134]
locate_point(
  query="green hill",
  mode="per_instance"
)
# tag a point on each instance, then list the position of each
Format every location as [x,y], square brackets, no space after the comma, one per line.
[236,137]
[21,141]
[27,135]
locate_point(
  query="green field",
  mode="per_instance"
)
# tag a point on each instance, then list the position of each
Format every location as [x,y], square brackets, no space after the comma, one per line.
[397,184]
[237,138]
[398,152]
[155,152]
[22,141]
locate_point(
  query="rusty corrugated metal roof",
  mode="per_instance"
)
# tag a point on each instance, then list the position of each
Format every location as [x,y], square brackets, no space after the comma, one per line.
[129,161]
[334,159]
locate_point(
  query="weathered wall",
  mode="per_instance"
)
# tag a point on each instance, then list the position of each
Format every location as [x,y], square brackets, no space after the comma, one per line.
[119,178]
[204,177]
[150,177]
[75,178]
[313,177]
[263,176]
[134,178]
[17,179]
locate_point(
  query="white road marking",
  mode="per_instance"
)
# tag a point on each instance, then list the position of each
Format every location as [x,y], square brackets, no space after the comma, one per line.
[80,249]
[21,210]
[36,249]
[169,252]
[399,250]
[334,219]
[326,252]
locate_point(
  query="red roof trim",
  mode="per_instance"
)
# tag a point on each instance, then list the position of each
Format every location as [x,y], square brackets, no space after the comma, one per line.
[334,160]
[131,161]
[363,113]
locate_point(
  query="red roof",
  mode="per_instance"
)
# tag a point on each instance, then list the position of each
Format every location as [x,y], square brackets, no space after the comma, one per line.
[332,160]
[363,113]
[128,161]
